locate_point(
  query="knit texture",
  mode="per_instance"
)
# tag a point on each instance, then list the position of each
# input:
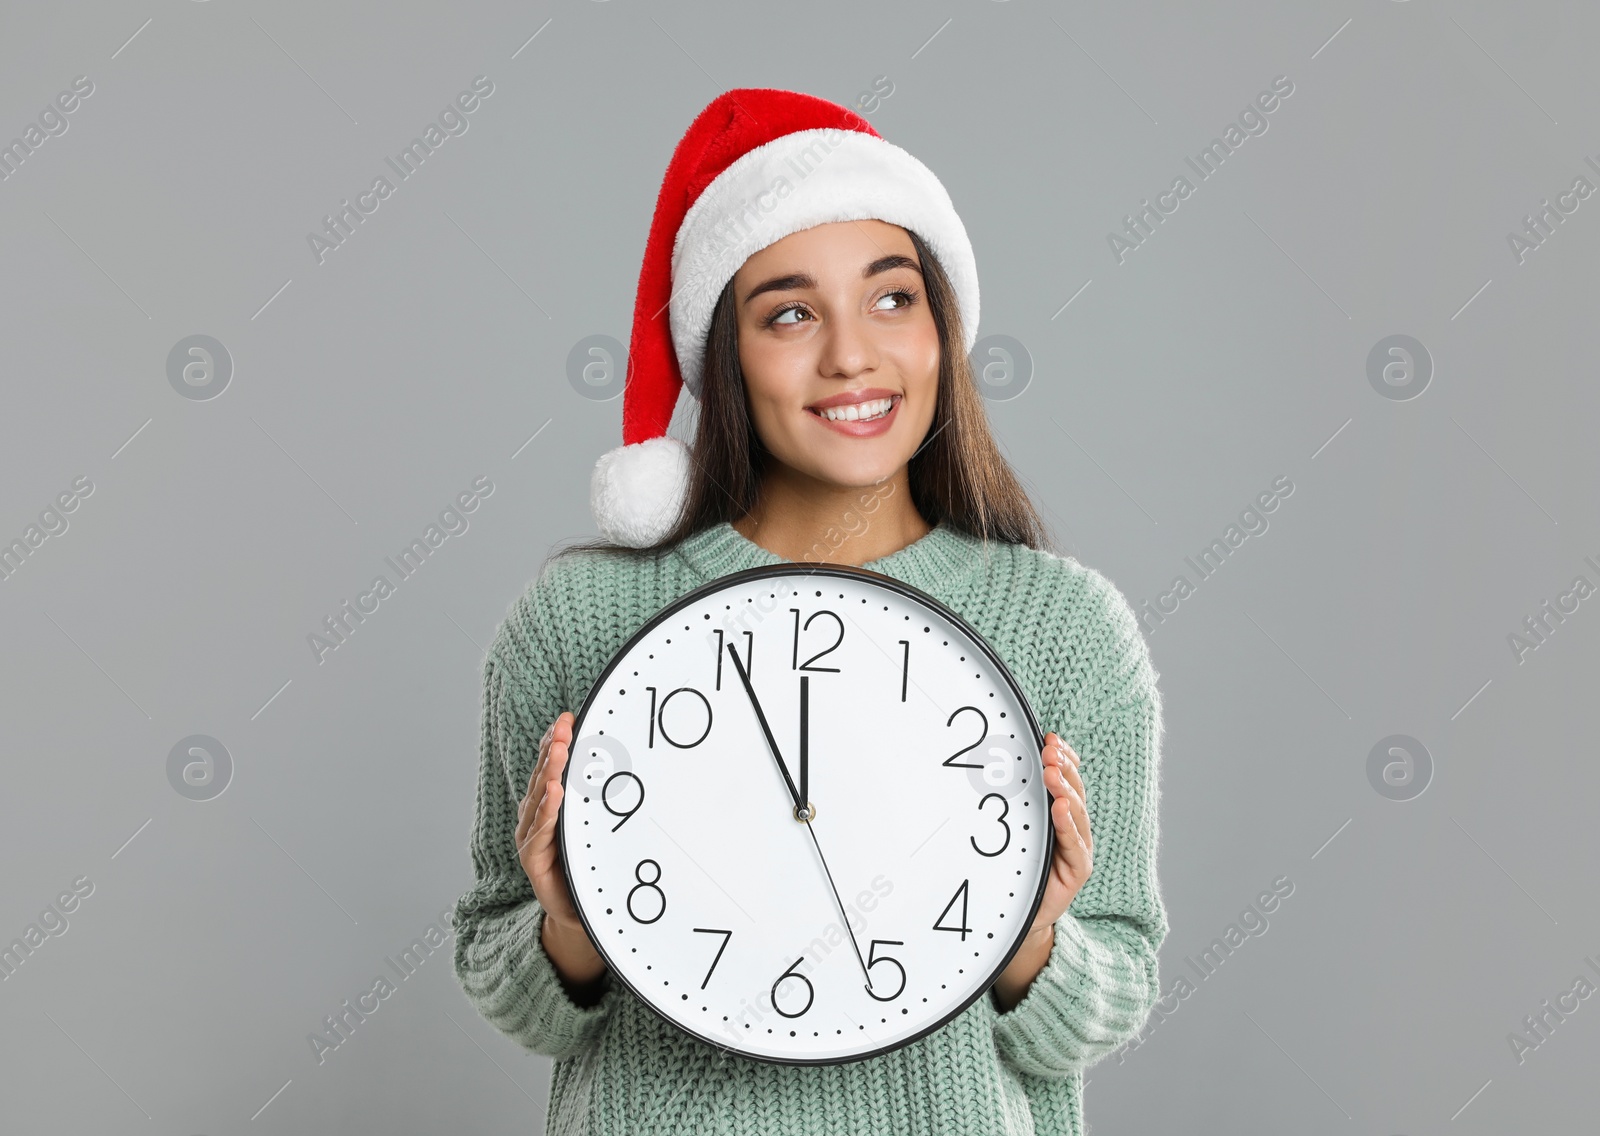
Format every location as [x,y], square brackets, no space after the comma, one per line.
[1073,644]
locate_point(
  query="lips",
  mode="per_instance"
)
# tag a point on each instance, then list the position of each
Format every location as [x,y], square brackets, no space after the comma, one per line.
[858,414]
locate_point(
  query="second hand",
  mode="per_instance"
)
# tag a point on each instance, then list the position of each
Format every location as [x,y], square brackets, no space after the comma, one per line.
[805,788]
[840,904]
[802,810]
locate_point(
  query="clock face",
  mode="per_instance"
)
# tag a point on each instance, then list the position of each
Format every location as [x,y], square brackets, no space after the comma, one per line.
[927,849]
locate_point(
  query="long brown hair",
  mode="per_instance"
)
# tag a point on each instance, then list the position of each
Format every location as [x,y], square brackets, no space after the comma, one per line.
[957,475]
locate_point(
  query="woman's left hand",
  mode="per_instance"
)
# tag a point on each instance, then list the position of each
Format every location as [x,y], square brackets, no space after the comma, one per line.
[1074,854]
[1069,868]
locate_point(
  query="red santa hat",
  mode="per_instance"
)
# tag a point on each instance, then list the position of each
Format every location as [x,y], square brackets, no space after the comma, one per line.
[754,166]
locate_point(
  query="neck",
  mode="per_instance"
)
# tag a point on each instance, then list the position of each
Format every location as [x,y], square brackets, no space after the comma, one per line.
[802,519]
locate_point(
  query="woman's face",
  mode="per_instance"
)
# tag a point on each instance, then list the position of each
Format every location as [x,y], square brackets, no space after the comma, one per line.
[836,317]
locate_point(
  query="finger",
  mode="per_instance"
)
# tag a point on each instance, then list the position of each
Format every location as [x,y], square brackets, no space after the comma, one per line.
[556,760]
[543,832]
[1074,778]
[1058,752]
[1055,779]
[1069,842]
[1064,790]
[546,777]
[528,798]
[559,733]
[1053,782]
[555,764]
[1052,748]
[562,727]
[538,762]
[1065,821]
[1070,845]
[1067,766]
[541,821]
[1080,816]
[535,791]
[524,833]
[1064,777]
[526,812]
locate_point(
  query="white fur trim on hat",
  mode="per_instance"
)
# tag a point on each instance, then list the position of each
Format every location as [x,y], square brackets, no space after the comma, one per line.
[637,491]
[802,179]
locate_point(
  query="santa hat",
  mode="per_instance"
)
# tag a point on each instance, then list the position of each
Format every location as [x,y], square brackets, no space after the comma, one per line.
[754,166]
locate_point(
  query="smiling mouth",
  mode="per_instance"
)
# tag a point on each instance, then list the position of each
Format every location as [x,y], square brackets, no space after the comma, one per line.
[866,411]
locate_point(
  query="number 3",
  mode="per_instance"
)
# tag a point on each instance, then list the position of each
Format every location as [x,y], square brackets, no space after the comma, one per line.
[1005,808]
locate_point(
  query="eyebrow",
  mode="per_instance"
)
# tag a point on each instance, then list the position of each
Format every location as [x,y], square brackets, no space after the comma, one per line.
[795,281]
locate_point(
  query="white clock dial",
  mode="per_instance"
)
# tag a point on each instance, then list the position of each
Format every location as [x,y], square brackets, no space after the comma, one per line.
[909,889]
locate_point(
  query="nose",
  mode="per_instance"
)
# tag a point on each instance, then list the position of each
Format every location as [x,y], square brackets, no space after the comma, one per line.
[848,347]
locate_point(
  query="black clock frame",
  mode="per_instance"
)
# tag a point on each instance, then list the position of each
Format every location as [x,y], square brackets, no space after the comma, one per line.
[889,583]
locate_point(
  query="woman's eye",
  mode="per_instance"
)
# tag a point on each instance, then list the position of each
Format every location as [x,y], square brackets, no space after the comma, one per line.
[779,318]
[907,297]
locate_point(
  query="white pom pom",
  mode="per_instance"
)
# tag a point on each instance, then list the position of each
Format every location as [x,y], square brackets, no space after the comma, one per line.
[637,492]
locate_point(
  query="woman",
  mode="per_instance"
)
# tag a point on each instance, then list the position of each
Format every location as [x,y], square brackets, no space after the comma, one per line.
[813,273]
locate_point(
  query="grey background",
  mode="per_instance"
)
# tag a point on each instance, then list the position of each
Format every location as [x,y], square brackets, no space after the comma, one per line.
[370,389]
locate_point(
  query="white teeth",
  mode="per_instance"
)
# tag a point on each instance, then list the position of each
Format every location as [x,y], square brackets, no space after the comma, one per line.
[860,411]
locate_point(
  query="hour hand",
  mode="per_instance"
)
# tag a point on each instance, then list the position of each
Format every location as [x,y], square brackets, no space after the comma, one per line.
[744,677]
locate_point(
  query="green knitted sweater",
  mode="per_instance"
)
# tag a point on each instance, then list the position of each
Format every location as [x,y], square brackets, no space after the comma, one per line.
[1072,642]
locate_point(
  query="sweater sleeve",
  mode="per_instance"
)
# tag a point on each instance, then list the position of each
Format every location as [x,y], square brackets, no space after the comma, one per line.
[500,961]
[1100,980]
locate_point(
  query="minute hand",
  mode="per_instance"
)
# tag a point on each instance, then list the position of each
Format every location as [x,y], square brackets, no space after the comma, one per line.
[772,745]
[805,747]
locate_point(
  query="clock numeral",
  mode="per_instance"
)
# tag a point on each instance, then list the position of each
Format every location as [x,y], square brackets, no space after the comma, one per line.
[811,991]
[983,730]
[1005,808]
[658,717]
[647,885]
[605,797]
[794,656]
[873,959]
[961,894]
[726,936]
[905,666]
[749,655]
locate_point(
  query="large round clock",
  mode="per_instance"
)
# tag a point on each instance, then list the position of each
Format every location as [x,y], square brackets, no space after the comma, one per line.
[804,814]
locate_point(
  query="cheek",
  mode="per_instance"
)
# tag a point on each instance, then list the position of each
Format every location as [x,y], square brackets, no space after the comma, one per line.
[920,360]
[771,398]
[769,372]
[768,422]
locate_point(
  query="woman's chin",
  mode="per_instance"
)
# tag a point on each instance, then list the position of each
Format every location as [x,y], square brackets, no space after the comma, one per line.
[860,471]
[841,461]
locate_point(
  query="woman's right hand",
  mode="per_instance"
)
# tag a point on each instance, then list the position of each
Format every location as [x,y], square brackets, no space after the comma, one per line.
[565,941]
